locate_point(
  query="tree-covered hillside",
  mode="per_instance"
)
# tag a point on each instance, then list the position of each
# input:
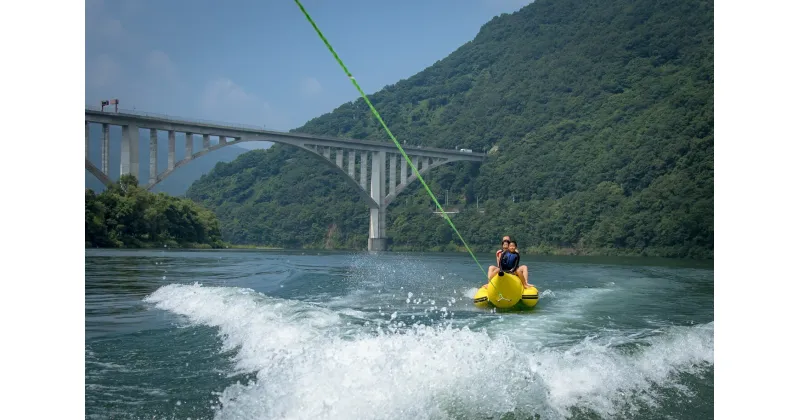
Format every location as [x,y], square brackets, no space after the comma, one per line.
[598,117]
[283,198]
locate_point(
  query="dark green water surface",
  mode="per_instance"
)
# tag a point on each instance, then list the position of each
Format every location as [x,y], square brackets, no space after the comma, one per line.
[306,335]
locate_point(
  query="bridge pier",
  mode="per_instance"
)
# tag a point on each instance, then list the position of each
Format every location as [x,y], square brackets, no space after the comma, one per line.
[188,146]
[351,163]
[363,170]
[129,162]
[377,244]
[153,155]
[171,153]
[104,151]
[377,216]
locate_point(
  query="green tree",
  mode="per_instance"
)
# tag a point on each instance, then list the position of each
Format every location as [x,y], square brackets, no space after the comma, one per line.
[125,215]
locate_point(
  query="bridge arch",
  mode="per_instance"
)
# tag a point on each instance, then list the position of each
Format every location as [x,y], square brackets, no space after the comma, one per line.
[98,173]
[166,173]
[375,159]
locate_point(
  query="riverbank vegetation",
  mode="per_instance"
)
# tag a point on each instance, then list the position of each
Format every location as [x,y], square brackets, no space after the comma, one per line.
[128,216]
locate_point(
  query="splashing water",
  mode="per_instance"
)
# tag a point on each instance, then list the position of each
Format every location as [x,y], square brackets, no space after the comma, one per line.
[307,367]
[331,336]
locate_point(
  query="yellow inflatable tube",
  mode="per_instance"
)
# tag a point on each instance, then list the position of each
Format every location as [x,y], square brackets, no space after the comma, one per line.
[505,291]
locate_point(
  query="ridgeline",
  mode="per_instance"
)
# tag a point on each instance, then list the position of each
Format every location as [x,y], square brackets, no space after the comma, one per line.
[598,117]
[128,216]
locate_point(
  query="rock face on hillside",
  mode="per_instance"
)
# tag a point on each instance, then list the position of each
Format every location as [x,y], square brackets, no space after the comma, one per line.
[599,115]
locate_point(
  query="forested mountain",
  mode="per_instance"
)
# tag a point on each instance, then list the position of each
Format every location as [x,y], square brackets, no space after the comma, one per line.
[598,117]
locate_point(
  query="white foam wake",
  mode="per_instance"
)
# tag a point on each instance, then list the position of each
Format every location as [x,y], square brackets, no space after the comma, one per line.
[310,363]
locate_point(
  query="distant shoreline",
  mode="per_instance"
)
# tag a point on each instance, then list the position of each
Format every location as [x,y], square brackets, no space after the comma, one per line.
[450,248]
[572,252]
[160,245]
[175,245]
[271,248]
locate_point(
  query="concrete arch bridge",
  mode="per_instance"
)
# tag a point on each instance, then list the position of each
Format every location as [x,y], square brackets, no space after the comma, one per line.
[374,157]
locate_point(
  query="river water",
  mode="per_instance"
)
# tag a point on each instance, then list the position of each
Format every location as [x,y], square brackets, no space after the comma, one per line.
[316,335]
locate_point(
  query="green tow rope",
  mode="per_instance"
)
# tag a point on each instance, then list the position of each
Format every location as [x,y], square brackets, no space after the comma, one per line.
[378,116]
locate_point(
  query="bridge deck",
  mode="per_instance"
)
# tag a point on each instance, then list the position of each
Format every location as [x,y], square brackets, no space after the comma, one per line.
[251,133]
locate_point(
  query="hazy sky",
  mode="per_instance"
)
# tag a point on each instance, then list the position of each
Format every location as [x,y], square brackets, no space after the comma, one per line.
[260,62]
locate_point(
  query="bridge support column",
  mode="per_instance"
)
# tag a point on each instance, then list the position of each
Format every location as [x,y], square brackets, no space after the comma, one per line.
[377,217]
[129,162]
[171,154]
[87,139]
[363,170]
[153,155]
[392,172]
[189,147]
[104,150]
[403,172]
[351,163]
[206,141]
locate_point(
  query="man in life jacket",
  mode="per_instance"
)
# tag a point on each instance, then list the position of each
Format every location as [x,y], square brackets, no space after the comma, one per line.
[508,260]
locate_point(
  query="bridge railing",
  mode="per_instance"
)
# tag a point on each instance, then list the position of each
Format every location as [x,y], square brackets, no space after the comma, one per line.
[178,118]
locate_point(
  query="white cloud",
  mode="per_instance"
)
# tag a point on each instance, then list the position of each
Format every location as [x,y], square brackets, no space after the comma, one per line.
[103,71]
[120,64]
[224,100]
[311,86]
[224,92]
[160,65]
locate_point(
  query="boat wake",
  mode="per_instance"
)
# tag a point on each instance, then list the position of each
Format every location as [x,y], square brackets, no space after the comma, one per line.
[309,361]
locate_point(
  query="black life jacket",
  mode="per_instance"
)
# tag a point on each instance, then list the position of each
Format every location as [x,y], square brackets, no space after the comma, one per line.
[508,260]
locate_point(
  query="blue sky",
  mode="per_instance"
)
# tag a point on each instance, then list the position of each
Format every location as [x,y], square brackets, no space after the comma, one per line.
[260,62]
